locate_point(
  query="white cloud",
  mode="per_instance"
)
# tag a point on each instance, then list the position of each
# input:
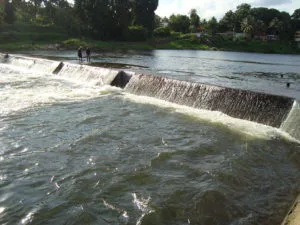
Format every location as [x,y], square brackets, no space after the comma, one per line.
[209,8]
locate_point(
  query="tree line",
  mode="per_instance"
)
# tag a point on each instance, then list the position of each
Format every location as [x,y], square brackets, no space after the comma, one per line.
[136,19]
[260,21]
[100,19]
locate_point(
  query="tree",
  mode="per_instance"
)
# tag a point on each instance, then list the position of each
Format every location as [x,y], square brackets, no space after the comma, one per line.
[157,21]
[260,26]
[248,25]
[144,13]
[9,12]
[241,13]
[295,21]
[104,19]
[228,22]
[212,25]
[1,14]
[194,20]
[296,15]
[96,16]
[179,23]
[276,26]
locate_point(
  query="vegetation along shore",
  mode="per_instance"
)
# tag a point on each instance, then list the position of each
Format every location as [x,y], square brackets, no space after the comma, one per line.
[61,25]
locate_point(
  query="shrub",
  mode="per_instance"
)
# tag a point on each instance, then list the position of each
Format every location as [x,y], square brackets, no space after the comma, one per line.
[136,33]
[175,35]
[74,43]
[162,32]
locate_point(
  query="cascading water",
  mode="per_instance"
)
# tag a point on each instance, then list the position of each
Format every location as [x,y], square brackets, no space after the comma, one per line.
[72,151]
[292,124]
[267,109]
[94,75]
[32,64]
[271,110]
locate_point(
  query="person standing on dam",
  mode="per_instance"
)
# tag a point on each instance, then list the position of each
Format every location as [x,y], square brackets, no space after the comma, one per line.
[88,54]
[79,53]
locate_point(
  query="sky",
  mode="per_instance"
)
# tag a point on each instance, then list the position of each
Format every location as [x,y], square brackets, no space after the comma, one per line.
[209,8]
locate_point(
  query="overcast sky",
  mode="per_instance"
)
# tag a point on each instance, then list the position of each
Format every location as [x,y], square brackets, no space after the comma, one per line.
[209,8]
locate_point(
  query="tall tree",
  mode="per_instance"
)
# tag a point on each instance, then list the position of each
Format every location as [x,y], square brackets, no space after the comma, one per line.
[144,13]
[157,21]
[241,13]
[121,18]
[9,12]
[296,15]
[228,22]
[179,23]
[1,14]
[276,26]
[96,16]
[248,25]
[194,20]
[295,21]
[212,25]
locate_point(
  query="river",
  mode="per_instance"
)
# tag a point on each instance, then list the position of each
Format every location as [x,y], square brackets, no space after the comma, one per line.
[74,152]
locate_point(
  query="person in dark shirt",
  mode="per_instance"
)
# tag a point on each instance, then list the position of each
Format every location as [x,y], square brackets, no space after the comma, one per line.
[79,53]
[88,54]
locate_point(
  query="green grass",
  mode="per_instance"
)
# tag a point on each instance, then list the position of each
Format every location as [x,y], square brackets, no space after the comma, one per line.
[23,36]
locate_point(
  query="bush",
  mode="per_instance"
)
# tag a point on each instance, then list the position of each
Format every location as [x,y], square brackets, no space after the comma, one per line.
[74,43]
[240,40]
[162,32]
[175,35]
[136,33]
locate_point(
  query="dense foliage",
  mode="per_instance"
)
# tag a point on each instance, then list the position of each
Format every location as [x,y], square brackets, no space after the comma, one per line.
[100,19]
[135,20]
[252,21]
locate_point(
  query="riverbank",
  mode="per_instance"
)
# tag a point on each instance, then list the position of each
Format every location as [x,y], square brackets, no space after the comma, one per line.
[19,37]
[253,46]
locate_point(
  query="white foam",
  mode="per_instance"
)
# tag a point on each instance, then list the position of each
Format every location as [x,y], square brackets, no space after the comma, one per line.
[249,128]
[33,64]
[24,90]
[93,75]
[292,123]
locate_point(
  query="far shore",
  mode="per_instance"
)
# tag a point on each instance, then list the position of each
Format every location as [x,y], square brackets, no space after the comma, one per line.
[246,46]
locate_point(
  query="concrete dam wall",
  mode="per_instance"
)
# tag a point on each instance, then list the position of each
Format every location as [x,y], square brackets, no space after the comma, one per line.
[272,110]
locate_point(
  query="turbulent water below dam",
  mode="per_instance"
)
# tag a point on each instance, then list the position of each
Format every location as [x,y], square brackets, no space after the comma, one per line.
[76,150]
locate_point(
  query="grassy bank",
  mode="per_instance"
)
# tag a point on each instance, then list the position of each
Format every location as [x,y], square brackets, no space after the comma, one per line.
[28,37]
[23,36]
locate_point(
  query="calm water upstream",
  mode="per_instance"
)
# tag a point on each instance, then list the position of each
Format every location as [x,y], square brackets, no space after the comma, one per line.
[76,153]
[258,72]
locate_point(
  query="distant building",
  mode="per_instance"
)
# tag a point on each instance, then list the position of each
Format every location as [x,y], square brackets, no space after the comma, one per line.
[260,36]
[272,37]
[297,38]
[200,31]
[233,35]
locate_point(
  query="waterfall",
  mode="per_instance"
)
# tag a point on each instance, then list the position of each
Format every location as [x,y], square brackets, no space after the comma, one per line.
[83,73]
[276,111]
[262,108]
[292,124]
[32,64]
[95,75]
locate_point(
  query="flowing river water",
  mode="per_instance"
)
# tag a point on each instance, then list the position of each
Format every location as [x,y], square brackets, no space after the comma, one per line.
[75,152]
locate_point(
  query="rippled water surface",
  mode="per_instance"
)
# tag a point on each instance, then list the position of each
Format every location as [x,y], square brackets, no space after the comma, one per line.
[74,153]
[251,71]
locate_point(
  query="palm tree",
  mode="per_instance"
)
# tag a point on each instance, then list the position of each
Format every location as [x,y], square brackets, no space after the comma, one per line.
[248,25]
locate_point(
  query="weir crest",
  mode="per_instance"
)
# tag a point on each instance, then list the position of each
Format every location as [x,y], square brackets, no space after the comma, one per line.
[272,110]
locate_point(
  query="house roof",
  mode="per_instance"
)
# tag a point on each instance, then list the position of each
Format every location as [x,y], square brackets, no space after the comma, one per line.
[200,28]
